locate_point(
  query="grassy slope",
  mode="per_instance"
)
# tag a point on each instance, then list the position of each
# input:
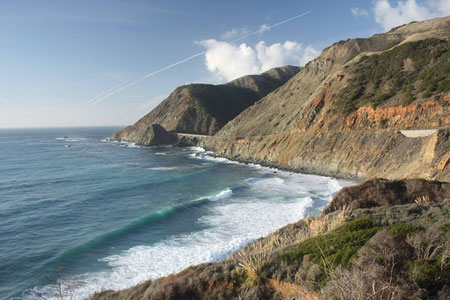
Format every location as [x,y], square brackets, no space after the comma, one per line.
[397,77]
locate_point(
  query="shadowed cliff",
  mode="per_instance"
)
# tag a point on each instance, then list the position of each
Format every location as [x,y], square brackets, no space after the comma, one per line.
[205,108]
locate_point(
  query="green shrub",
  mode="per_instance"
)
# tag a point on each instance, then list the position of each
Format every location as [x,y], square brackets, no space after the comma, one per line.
[423,271]
[378,78]
[335,248]
[402,230]
[445,227]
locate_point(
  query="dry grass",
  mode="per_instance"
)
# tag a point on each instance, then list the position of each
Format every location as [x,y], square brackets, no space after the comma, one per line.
[314,226]
[374,282]
[374,279]
[291,291]
[427,244]
[425,199]
[252,259]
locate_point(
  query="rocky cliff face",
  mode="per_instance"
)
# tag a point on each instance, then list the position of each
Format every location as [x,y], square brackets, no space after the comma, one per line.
[341,114]
[205,108]
[154,135]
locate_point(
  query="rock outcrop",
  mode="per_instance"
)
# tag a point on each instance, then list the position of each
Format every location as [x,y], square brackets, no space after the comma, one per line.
[205,108]
[341,114]
[387,193]
[152,135]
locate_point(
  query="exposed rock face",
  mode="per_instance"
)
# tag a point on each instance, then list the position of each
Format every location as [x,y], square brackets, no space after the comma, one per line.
[340,115]
[381,192]
[153,135]
[205,108]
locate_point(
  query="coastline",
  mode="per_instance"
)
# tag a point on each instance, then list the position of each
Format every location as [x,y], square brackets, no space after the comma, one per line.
[287,168]
[263,182]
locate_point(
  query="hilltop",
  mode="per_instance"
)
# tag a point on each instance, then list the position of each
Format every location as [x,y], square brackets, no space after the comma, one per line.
[205,108]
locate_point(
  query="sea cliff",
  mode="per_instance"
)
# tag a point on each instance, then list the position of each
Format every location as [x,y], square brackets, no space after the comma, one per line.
[349,111]
[375,107]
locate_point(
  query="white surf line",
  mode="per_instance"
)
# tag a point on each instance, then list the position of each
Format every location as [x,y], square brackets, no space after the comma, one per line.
[126,84]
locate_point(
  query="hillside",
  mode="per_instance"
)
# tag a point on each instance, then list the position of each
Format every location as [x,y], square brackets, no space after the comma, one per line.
[343,112]
[205,108]
[374,107]
[266,82]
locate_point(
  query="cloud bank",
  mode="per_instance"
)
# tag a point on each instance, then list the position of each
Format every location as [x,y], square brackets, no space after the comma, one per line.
[228,61]
[404,12]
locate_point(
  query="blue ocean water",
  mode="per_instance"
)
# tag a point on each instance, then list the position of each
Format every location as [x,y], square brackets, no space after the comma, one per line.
[113,214]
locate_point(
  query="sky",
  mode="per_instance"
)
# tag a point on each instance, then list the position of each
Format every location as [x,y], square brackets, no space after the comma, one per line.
[109,62]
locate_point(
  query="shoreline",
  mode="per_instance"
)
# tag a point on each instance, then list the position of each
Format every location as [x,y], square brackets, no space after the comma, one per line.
[282,167]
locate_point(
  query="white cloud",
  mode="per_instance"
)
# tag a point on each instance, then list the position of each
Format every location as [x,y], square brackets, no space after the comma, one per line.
[407,11]
[441,6]
[234,33]
[359,12]
[264,28]
[228,61]
[308,54]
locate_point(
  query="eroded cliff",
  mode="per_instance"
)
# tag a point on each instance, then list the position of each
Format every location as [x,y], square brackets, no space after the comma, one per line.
[341,114]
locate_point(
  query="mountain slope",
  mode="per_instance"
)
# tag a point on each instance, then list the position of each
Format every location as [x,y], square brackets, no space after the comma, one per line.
[205,108]
[341,113]
[266,82]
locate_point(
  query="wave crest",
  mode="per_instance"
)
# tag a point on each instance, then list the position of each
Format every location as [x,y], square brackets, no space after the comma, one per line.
[222,195]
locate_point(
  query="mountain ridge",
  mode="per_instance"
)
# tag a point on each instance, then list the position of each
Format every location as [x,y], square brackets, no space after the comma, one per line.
[340,115]
[205,108]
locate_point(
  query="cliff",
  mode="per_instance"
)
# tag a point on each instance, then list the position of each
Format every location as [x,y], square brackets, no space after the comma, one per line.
[205,108]
[376,107]
[345,112]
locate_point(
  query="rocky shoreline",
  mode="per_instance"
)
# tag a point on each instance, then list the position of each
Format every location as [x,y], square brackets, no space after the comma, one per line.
[292,169]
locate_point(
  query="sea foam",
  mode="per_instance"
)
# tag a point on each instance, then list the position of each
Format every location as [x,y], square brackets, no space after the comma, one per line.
[270,202]
[222,195]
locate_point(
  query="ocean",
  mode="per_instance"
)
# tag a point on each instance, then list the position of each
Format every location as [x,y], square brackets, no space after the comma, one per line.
[113,214]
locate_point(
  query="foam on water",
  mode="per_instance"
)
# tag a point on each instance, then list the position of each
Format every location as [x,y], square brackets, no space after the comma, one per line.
[268,202]
[231,226]
[70,139]
[164,168]
[222,195]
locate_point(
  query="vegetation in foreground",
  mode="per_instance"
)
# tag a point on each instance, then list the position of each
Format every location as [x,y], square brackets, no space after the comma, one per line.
[386,251]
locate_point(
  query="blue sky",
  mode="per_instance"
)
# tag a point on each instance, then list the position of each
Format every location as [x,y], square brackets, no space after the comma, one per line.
[57,56]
